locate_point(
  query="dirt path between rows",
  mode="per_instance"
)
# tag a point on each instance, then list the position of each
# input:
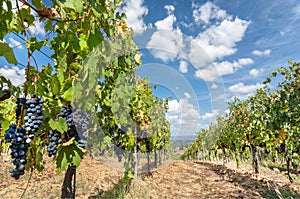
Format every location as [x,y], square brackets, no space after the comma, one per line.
[209,180]
[180,179]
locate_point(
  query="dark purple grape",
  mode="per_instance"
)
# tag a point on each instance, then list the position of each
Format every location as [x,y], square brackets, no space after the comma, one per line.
[18,148]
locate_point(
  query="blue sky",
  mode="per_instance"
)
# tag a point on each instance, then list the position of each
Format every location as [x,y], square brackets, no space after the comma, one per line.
[202,53]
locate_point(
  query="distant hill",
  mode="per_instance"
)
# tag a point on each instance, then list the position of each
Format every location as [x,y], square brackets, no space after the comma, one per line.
[183,138]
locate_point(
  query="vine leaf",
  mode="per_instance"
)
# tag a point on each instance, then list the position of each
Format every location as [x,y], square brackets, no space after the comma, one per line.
[8,53]
[60,126]
[69,154]
[68,95]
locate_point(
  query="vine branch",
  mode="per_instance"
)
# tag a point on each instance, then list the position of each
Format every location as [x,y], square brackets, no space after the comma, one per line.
[28,60]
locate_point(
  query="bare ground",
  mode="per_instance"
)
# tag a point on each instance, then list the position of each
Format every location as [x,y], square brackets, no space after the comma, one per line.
[179,179]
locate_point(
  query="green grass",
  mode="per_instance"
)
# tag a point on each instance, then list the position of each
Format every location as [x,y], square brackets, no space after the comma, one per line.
[282,193]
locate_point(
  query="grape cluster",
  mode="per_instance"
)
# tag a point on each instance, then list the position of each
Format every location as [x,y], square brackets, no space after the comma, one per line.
[119,152]
[143,139]
[66,113]
[81,121]
[55,139]
[34,115]
[19,147]
[81,143]
[281,148]
[116,138]
[117,145]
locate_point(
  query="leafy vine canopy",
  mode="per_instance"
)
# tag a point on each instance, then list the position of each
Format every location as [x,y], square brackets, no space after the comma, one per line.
[91,55]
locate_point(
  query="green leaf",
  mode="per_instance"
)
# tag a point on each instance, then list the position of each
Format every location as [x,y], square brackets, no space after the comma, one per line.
[61,159]
[38,4]
[63,127]
[69,154]
[53,124]
[60,126]
[8,53]
[94,39]
[27,16]
[55,86]
[33,44]
[68,95]
[77,5]
[61,68]
[106,142]
[82,42]
[77,157]
[39,164]
[66,85]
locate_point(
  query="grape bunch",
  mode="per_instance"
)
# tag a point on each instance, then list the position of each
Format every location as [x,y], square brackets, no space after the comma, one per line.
[119,152]
[55,139]
[119,134]
[66,113]
[81,121]
[117,146]
[81,143]
[19,147]
[34,115]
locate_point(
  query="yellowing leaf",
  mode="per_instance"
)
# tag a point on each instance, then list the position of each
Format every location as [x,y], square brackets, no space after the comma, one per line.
[137,58]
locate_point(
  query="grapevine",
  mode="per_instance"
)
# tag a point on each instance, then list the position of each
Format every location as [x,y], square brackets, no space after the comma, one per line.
[267,121]
[76,30]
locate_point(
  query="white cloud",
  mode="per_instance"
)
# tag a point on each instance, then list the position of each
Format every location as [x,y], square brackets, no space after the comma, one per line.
[135,11]
[221,97]
[219,40]
[38,27]
[170,9]
[216,70]
[14,74]
[241,88]
[166,23]
[227,34]
[197,54]
[14,43]
[266,52]
[183,116]
[214,86]
[207,12]
[296,10]
[254,72]
[216,42]
[210,115]
[183,66]
[166,43]
[245,61]
[187,95]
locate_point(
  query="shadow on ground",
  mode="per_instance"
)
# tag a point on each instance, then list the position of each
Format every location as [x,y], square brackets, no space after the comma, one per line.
[266,188]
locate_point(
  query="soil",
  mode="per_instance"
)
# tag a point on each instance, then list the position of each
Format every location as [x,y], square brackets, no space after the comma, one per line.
[178,179]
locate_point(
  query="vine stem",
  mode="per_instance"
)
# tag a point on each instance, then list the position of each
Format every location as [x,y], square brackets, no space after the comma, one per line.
[31,172]
[28,61]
